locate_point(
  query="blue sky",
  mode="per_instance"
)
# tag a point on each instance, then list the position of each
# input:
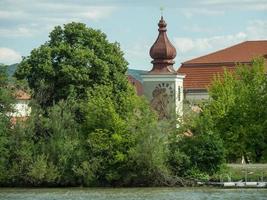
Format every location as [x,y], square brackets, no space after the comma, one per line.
[194,27]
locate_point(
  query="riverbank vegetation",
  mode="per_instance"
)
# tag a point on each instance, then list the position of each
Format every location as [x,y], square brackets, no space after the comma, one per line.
[89,128]
[241,172]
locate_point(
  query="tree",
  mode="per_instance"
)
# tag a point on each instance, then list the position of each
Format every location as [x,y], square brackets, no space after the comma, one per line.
[238,111]
[74,59]
[88,126]
[79,63]
[6,96]
[6,100]
[127,149]
[49,148]
[198,155]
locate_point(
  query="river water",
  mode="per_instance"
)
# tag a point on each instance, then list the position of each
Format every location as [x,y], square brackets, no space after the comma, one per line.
[131,194]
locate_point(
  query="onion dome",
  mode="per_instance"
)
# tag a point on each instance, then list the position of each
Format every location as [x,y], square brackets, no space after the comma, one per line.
[162,51]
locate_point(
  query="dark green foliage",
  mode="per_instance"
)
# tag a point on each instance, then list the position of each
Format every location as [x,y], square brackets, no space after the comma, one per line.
[179,162]
[4,152]
[47,148]
[74,59]
[238,111]
[60,141]
[125,146]
[206,152]
[6,98]
[232,124]
[196,155]
[88,127]
[196,151]
[53,149]
[148,157]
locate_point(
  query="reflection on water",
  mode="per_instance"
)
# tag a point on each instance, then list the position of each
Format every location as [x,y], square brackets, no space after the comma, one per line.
[131,194]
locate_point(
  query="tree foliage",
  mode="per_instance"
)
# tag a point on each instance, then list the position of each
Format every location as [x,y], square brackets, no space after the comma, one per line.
[238,111]
[6,96]
[74,59]
[88,127]
[6,100]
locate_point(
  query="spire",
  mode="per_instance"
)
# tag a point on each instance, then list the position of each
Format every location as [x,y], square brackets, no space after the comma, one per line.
[162,51]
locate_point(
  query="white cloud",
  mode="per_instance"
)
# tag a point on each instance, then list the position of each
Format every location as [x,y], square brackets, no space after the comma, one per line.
[138,53]
[257,29]
[223,2]
[17,32]
[193,47]
[96,13]
[8,14]
[190,12]
[45,14]
[201,29]
[138,49]
[9,56]
[48,10]
[186,45]
[257,5]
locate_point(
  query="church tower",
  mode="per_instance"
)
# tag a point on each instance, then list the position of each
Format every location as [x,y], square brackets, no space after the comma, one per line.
[163,86]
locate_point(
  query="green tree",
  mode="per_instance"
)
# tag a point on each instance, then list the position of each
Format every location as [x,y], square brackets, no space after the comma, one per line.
[6,96]
[74,59]
[79,63]
[6,100]
[47,149]
[88,127]
[147,164]
[59,144]
[238,111]
[125,147]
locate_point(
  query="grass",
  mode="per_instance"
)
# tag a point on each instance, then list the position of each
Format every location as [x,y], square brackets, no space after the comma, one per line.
[242,172]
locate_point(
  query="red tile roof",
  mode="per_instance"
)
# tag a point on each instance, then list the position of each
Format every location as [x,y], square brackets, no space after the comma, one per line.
[21,95]
[200,71]
[137,84]
[242,52]
[200,77]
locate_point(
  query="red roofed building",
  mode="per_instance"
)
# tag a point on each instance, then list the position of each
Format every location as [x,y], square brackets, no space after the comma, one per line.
[22,109]
[200,71]
[137,85]
[166,88]
[22,95]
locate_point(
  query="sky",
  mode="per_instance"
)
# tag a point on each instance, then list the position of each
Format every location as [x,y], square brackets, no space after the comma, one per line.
[194,27]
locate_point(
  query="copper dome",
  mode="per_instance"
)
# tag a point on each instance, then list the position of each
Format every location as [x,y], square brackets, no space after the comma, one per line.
[162,51]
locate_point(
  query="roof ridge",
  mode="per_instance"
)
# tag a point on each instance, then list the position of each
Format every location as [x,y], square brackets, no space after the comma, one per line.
[265,40]
[222,50]
[214,52]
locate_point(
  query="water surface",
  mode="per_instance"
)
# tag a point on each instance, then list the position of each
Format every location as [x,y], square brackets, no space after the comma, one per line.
[131,194]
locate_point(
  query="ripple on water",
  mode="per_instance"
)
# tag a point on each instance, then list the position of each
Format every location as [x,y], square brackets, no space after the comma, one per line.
[131,194]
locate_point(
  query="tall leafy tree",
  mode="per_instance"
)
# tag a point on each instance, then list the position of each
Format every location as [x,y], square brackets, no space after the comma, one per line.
[79,63]
[126,148]
[238,111]
[73,59]
[88,126]
[6,100]
[6,96]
